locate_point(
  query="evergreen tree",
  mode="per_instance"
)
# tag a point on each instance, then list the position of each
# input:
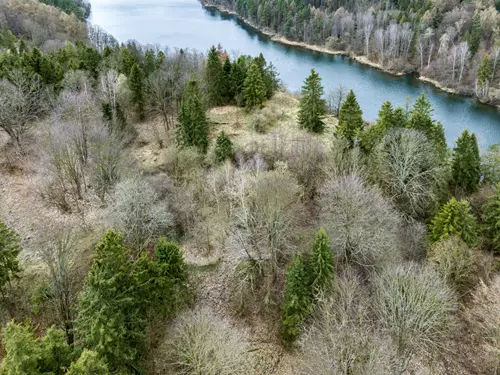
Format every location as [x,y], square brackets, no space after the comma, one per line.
[454,218]
[149,62]
[321,264]
[374,133]
[297,303]
[271,80]
[193,127]
[89,363]
[312,106]
[466,167]
[227,88]
[484,75]
[136,83]
[127,62]
[491,219]
[110,319]
[223,148]
[350,118]
[475,32]
[254,89]
[10,247]
[214,78]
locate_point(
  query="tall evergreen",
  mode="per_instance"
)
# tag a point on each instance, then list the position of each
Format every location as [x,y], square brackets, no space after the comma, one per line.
[312,106]
[454,218]
[491,219]
[466,167]
[474,34]
[254,89]
[350,118]
[227,84]
[321,264]
[136,83]
[214,78]
[297,304]
[10,247]
[375,132]
[193,127]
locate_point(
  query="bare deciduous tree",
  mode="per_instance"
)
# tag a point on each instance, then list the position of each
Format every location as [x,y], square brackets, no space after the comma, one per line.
[335,98]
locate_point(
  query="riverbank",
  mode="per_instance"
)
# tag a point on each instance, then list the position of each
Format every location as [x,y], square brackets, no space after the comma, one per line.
[364,60]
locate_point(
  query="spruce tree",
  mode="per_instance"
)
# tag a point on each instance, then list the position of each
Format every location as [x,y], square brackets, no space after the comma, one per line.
[254,89]
[127,61]
[227,85]
[312,106]
[484,75]
[454,218]
[491,219]
[136,84]
[297,304]
[475,33]
[375,132]
[466,167]
[10,247]
[89,363]
[214,78]
[193,127]
[350,118]
[223,148]
[321,264]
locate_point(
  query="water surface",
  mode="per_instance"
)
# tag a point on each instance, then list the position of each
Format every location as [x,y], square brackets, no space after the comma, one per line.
[186,24]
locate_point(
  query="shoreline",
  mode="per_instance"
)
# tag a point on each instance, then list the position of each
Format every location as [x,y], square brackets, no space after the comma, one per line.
[275,37]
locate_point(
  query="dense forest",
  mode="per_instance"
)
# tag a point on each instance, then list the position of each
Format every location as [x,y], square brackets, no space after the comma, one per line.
[169,211]
[455,43]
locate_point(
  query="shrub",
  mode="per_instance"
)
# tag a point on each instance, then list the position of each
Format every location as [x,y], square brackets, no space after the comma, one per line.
[456,262]
[223,148]
[362,226]
[202,343]
[454,218]
[415,307]
[10,247]
[138,214]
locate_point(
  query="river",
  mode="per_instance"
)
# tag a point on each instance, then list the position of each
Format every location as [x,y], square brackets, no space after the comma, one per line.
[186,24]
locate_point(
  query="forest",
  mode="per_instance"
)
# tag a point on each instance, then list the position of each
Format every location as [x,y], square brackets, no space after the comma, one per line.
[455,44]
[172,211]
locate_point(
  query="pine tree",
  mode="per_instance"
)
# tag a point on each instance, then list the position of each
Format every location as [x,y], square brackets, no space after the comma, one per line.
[466,167]
[491,219]
[312,106]
[350,118]
[475,32]
[223,148]
[89,363]
[254,89]
[214,78]
[110,319]
[193,127]
[321,264]
[136,83]
[297,304]
[484,76]
[454,218]
[10,247]
[374,133]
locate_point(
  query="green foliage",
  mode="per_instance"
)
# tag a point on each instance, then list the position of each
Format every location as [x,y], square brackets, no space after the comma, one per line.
[10,247]
[80,8]
[466,168]
[454,218]
[456,262]
[223,148]
[136,83]
[193,127]
[475,32]
[484,71]
[109,317]
[312,105]
[214,78]
[321,264]
[350,118]
[227,84]
[26,354]
[372,135]
[490,165]
[491,220]
[89,363]
[254,89]
[297,303]
[127,62]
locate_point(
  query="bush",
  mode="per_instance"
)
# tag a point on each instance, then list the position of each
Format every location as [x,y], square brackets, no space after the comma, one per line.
[454,218]
[223,148]
[456,262]
[362,226]
[202,343]
[415,307]
[138,213]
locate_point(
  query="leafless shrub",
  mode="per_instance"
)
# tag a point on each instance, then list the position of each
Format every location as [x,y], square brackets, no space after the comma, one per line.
[202,343]
[138,213]
[263,120]
[344,160]
[416,308]
[76,81]
[362,226]
[483,317]
[341,338]
[335,98]
[408,169]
